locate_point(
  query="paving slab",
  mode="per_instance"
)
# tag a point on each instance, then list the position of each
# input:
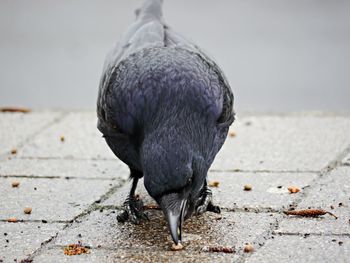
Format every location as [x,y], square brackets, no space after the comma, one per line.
[332,193]
[64,168]
[124,255]
[269,190]
[304,250]
[287,143]
[50,199]
[101,230]
[15,128]
[18,240]
[82,140]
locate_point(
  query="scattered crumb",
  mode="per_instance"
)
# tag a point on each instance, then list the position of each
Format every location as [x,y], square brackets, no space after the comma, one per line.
[247,187]
[332,207]
[27,210]
[309,213]
[151,207]
[177,247]
[14,109]
[214,184]
[62,139]
[12,220]
[14,151]
[232,134]
[248,248]
[219,249]
[75,249]
[15,183]
[293,189]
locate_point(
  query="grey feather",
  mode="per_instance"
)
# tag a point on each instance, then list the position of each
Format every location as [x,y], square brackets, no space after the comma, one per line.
[160,93]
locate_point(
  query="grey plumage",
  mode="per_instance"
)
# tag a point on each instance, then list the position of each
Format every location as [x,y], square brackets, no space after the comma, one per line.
[164,108]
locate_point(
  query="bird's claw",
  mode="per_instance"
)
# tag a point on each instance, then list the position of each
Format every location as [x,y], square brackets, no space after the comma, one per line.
[133,211]
[205,203]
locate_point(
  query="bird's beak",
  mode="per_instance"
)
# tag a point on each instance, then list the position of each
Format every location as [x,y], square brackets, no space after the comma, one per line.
[174,210]
[175,220]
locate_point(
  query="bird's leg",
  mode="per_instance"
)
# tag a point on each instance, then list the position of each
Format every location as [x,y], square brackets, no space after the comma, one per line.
[205,201]
[133,206]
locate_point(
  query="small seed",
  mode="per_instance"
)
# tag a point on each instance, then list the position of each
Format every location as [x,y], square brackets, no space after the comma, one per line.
[62,138]
[248,248]
[214,184]
[27,210]
[293,189]
[232,134]
[247,187]
[15,183]
[14,151]
[12,220]
[176,247]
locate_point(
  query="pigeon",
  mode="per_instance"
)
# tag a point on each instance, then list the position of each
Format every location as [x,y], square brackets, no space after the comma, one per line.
[164,108]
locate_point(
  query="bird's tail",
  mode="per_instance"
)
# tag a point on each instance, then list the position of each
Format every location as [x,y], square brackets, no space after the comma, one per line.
[150,9]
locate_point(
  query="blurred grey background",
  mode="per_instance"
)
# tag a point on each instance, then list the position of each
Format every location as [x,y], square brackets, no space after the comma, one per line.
[278,55]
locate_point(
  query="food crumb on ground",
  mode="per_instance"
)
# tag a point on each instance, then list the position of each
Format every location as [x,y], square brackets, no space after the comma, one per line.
[15,183]
[293,189]
[14,151]
[12,220]
[247,187]
[151,207]
[14,109]
[232,134]
[218,249]
[309,213]
[75,249]
[248,248]
[27,210]
[176,247]
[214,184]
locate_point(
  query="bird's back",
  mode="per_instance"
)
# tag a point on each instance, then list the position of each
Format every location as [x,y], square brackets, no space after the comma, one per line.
[154,77]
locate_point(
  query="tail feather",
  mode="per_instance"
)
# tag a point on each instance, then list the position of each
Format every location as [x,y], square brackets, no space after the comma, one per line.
[150,9]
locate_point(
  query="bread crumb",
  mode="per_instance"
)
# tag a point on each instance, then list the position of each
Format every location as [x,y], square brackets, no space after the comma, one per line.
[176,247]
[27,210]
[293,189]
[12,220]
[232,134]
[248,248]
[15,183]
[214,184]
[247,187]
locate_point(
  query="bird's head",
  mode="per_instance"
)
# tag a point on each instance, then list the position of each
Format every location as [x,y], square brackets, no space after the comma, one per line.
[171,177]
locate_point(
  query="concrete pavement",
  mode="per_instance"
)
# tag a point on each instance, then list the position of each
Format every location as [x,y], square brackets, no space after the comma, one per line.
[75,187]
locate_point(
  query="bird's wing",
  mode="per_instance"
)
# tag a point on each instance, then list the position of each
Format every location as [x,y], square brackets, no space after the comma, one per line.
[147,31]
[171,38]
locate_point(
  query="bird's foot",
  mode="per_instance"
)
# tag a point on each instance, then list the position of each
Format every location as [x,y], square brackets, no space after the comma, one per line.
[133,211]
[205,203]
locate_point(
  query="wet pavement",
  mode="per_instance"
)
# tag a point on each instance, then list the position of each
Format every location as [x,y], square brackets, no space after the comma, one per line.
[75,187]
